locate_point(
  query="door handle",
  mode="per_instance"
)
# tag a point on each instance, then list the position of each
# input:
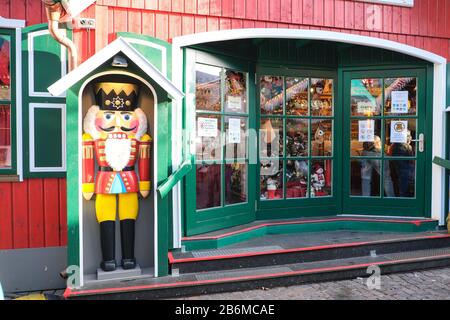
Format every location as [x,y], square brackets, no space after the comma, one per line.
[421,141]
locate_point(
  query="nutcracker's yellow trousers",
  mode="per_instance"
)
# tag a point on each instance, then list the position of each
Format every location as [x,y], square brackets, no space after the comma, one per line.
[106,206]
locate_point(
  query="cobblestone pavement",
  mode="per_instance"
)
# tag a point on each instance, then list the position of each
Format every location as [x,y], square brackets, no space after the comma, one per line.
[423,285]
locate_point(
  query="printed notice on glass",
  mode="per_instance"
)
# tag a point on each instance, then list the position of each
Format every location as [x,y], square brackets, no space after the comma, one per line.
[234,103]
[399,131]
[234,130]
[365,107]
[207,127]
[399,102]
[366,132]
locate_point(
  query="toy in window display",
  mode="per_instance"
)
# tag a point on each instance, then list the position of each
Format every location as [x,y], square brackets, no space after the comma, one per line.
[115,133]
[318,181]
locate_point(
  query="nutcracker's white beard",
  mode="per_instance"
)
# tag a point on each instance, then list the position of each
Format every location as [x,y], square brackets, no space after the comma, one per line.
[117,152]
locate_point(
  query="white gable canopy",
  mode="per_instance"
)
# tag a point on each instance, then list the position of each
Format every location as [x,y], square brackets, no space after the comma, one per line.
[119,45]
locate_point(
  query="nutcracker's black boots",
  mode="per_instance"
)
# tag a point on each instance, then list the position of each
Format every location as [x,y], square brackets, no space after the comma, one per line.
[127,237]
[108,243]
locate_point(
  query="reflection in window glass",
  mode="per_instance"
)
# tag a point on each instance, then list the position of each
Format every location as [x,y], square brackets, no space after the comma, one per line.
[236,92]
[5,136]
[297,96]
[365,177]
[208,141]
[399,136]
[208,185]
[207,88]
[297,137]
[271,95]
[321,97]
[271,137]
[320,178]
[235,137]
[321,137]
[365,138]
[366,96]
[403,175]
[235,183]
[271,179]
[5,67]
[400,96]
[296,179]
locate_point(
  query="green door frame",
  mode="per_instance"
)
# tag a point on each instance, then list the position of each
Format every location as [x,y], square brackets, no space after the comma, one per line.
[418,206]
[205,220]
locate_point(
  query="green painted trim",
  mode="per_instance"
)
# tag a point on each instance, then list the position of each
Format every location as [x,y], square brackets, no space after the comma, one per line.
[202,244]
[12,102]
[442,162]
[174,178]
[28,99]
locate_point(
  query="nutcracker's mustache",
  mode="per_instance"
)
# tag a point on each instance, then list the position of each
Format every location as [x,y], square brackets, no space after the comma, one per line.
[121,128]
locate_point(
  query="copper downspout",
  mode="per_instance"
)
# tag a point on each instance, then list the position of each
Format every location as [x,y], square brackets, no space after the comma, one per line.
[54,13]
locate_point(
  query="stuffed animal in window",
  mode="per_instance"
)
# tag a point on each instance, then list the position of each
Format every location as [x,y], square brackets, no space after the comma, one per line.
[115,138]
[318,179]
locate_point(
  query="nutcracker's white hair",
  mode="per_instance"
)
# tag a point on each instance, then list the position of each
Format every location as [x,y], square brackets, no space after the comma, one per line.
[140,114]
[89,122]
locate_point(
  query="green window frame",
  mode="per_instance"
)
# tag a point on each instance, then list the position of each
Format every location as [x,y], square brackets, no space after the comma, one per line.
[12,170]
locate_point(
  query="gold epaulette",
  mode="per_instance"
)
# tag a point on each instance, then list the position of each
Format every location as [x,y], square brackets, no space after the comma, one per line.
[146,138]
[87,137]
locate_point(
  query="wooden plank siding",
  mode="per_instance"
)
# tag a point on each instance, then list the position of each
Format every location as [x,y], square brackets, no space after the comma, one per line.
[33,213]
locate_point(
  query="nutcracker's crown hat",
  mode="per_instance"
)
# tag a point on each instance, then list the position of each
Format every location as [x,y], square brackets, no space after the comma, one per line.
[116,96]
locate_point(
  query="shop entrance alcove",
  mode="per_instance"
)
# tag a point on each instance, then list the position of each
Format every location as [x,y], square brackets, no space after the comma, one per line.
[210,61]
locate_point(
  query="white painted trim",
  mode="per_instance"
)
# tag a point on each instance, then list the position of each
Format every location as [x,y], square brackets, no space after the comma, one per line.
[11,23]
[118,45]
[402,3]
[154,46]
[31,78]
[19,99]
[439,92]
[31,137]
[155,166]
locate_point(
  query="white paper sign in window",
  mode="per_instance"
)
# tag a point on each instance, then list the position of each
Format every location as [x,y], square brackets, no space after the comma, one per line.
[207,127]
[366,132]
[399,131]
[234,130]
[399,101]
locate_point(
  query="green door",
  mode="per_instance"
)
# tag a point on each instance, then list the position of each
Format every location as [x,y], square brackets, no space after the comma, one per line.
[221,121]
[385,142]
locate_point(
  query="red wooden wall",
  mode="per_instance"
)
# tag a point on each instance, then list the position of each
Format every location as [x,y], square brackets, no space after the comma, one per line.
[33,213]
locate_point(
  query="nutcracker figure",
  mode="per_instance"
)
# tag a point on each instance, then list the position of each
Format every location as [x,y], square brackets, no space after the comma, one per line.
[115,134]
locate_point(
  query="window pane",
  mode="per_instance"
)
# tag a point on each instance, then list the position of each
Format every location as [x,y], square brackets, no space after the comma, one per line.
[207,88]
[236,92]
[297,96]
[297,137]
[321,178]
[365,138]
[365,178]
[235,183]
[208,185]
[5,136]
[402,173]
[271,137]
[399,136]
[5,68]
[296,179]
[321,97]
[400,96]
[321,137]
[366,96]
[271,179]
[235,138]
[208,141]
[271,95]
